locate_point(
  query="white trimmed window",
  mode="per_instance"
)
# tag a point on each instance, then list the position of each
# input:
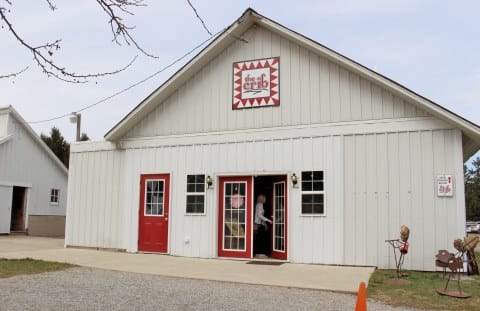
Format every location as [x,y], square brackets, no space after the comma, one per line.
[195,203]
[313,193]
[54,196]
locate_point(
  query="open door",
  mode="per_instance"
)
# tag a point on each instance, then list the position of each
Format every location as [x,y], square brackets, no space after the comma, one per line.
[234,218]
[279,218]
[18,209]
[153,213]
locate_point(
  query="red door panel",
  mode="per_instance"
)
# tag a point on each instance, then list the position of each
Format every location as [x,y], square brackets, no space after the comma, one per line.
[153,213]
[234,218]
[279,218]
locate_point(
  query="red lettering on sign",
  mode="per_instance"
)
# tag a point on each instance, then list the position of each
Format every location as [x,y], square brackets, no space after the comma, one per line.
[251,83]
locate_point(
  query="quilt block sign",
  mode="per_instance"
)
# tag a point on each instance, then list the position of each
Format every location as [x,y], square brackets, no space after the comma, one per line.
[256,83]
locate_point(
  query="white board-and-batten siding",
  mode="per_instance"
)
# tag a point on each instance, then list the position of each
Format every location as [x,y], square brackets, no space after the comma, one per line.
[312,90]
[389,182]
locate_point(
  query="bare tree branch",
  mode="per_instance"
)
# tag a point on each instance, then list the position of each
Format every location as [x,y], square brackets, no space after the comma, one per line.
[50,68]
[51,5]
[119,29]
[42,54]
[198,16]
[13,75]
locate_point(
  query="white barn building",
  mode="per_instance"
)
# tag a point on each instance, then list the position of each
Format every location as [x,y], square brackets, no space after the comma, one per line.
[33,182]
[259,107]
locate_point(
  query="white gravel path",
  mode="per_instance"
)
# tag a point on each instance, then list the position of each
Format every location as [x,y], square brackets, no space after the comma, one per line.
[96,289]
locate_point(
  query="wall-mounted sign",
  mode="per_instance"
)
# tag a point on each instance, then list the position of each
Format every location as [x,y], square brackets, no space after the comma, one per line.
[444,185]
[256,83]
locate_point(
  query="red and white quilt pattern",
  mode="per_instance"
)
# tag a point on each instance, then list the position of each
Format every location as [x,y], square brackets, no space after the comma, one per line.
[256,83]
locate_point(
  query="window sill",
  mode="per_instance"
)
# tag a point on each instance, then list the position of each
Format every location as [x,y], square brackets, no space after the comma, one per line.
[54,203]
[313,215]
[195,214]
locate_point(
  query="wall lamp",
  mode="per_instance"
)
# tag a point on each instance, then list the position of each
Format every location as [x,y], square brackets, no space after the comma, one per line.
[294,180]
[209,181]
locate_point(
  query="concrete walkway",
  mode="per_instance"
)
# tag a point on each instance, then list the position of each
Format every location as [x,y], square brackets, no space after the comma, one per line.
[333,278]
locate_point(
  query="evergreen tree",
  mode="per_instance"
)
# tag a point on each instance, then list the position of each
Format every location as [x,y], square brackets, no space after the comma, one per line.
[57,143]
[84,137]
[472,190]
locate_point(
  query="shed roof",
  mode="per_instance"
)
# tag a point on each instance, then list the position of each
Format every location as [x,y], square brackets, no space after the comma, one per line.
[12,112]
[250,17]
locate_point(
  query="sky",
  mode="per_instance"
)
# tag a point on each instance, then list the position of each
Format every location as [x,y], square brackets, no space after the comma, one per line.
[431,47]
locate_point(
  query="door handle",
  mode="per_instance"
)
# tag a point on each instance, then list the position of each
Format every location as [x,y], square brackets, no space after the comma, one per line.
[166,218]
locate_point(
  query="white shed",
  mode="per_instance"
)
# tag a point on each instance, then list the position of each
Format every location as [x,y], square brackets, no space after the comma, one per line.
[344,155]
[33,182]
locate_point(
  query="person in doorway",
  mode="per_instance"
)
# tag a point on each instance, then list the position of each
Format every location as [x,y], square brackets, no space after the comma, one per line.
[260,227]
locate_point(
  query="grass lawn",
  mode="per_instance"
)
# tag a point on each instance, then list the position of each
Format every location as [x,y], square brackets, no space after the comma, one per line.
[420,292]
[12,267]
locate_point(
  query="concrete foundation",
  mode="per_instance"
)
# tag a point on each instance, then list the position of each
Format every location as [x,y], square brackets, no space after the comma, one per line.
[46,225]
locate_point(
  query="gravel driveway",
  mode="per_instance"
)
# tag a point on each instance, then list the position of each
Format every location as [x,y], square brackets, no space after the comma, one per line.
[95,289]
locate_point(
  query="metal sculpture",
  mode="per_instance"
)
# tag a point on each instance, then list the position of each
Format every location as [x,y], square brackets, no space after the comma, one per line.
[467,248]
[401,246]
[454,263]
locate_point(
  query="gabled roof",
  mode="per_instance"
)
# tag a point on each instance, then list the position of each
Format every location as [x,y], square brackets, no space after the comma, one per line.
[234,31]
[12,112]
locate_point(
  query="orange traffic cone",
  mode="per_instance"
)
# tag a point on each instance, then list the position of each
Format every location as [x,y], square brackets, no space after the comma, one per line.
[361,298]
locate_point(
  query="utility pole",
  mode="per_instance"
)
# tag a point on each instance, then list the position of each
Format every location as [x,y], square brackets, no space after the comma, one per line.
[76,118]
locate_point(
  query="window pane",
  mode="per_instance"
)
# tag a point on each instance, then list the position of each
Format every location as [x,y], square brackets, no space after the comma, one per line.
[241,243]
[313,204]
[200,179]
[190,199]
[307,198]
[198,209]
[200,187]
[318,186]
[317,198]
[195,203]
[191,179]
[307,186]
[307,209]
[148,209]
[190,187]
[226,243]
[318,175]
[318,208]
[306,176]
[155,186]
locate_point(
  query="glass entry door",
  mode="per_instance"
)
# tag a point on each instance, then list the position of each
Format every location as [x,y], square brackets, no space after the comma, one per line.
[234,228]
[279,234]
